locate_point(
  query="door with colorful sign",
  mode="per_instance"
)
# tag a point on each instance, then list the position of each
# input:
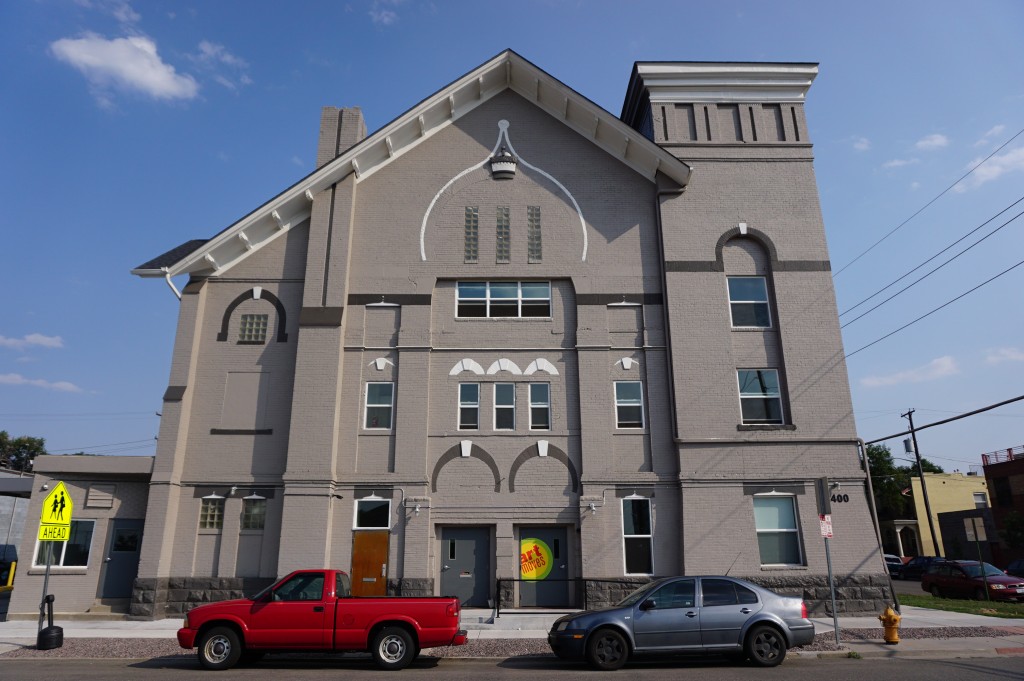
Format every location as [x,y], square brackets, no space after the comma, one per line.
[543,567]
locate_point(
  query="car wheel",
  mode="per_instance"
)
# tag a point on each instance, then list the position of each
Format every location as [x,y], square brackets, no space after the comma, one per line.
[607,650]
[765,646]
[219,648]
[936,591]
[979,594]
[393,648]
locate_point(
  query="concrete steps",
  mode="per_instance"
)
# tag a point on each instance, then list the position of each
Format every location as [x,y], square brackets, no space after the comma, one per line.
[519,619]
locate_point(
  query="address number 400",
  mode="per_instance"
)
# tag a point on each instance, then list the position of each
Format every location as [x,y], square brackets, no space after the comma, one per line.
[840,498]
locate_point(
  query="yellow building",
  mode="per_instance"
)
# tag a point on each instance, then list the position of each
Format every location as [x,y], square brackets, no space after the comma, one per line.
[946,492]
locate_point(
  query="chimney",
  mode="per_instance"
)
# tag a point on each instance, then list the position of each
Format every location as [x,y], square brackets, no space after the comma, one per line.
[339,130]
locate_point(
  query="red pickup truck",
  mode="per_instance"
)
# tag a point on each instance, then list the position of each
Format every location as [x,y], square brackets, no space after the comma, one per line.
[312,610]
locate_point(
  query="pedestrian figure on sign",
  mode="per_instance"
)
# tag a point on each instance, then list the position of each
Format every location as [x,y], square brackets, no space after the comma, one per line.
[60,513]
[53,511]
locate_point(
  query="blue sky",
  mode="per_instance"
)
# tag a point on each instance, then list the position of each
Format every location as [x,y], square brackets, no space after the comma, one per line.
[130,127]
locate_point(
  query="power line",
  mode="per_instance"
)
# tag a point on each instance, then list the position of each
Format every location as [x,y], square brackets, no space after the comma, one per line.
[950,419]
[904,276]
[75,413]
[109,444]
[921,210]
[950,302]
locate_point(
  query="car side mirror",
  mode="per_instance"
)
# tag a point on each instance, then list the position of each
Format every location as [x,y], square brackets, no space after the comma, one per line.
[649,604]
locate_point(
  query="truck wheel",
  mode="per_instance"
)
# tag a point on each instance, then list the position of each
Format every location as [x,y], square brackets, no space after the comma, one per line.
[393,648]
[765,646]
[607,650]
[219,648]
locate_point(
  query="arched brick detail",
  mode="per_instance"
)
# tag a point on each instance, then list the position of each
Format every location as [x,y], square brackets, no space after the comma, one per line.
[474,453]
[553,453]
[264,295]
[756,235]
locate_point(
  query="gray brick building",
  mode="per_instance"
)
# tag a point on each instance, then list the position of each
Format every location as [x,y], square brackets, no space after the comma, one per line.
[514,348]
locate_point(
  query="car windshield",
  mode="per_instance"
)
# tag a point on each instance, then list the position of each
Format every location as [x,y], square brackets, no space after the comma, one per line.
[639,594]
[975,570]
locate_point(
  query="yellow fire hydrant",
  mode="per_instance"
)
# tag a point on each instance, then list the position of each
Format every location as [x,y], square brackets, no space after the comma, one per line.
[891,623]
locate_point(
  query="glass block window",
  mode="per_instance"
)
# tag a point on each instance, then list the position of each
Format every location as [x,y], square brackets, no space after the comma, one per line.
[472,233]
[748,302]
[504,406]
[778,536]
[533,243]
[211,514]
[379,406]
[503,247]
[254,514]
[503,299]
[629,404]
[540,406]
[469,406]
[760,397]
[373,514]
[71,553]
[637,538]
[253,329]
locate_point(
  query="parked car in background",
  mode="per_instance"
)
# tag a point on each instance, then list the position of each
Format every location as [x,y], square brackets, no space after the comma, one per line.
[686,615]
[916,566]
[893,562]
[1016,568]
[963,578]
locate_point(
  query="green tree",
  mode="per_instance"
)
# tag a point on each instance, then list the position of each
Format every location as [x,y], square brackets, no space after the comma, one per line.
[1013,530]
[889,481]
[17,453]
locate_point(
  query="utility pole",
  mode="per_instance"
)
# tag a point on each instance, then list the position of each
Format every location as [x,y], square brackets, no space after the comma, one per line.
[924,488]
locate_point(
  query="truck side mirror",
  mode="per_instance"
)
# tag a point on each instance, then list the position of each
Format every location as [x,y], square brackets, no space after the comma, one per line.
[649,604]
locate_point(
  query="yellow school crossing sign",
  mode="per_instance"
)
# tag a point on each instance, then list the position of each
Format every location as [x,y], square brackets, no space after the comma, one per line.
[55,518]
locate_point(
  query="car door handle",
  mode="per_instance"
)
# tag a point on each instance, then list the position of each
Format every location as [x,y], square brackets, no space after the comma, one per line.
[745,611]
[691,614]
[318,608]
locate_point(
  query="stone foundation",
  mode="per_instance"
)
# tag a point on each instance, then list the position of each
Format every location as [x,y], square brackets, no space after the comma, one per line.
[860,594]
[411,587]
[157,598]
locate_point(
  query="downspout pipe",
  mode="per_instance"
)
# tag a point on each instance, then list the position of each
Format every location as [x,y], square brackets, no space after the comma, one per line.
[167,278]
[874,521]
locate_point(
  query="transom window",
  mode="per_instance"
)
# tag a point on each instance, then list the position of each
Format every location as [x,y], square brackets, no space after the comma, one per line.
[254,514]
[379,406]
[472,233]
[540,406]
[778,537]
[211,514]
[252,330]
[372,514]
[629,404]
[533,242]
[504,406]
[71,553]
[503,299]
[760,397]
[503,247]
[748,302]
[637,538]
[469,406]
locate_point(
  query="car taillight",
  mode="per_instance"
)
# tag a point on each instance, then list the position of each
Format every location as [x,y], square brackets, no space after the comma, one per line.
[803,610]
[453,609]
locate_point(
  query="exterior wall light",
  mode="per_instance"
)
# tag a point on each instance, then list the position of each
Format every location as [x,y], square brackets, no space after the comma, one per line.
[503,165]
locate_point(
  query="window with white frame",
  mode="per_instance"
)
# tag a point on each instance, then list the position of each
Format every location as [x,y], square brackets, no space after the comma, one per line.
[748,302]
[504,406]
[778,535]
[211,514]
[254,513]
[980,500]
[372,514]
[469,406]
[760,397]
[637,538]
[503,299]
[629,404]
[379,406]
[540,406]
[71,553]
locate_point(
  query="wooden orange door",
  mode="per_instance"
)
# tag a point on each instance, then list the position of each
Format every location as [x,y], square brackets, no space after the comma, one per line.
[370,562]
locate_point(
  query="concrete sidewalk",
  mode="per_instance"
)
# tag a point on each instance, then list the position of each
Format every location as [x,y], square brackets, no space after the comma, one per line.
[22,633]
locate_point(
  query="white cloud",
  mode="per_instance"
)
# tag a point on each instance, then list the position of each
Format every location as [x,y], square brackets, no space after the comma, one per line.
[218,53]
[32,339]
[937,368]
[382,16]
[18,379]
[993,169]
[914,186]
[931,142]
[997,355]
[987,137]
[215,58]
[861,143]
[130,64]
[900,162]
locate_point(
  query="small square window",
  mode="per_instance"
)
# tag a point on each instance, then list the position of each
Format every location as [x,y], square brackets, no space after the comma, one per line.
[748,302]
[252,330]
[373,514]
[760,396]
[211,514]
[254,514]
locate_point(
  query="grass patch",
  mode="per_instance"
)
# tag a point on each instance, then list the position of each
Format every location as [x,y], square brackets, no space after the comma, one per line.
[990,608]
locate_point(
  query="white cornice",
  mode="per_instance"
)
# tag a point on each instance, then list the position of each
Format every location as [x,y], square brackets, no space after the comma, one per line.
[506,71]
[726,82]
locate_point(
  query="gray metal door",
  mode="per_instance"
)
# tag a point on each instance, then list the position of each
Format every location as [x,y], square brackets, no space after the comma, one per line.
[543,565]
[466,564]
[122,559]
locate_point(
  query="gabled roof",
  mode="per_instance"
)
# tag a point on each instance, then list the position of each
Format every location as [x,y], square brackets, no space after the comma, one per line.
[506,71]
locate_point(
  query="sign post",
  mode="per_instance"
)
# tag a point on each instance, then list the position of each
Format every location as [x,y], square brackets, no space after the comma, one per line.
[821,488]
[975,528]
[54,526]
